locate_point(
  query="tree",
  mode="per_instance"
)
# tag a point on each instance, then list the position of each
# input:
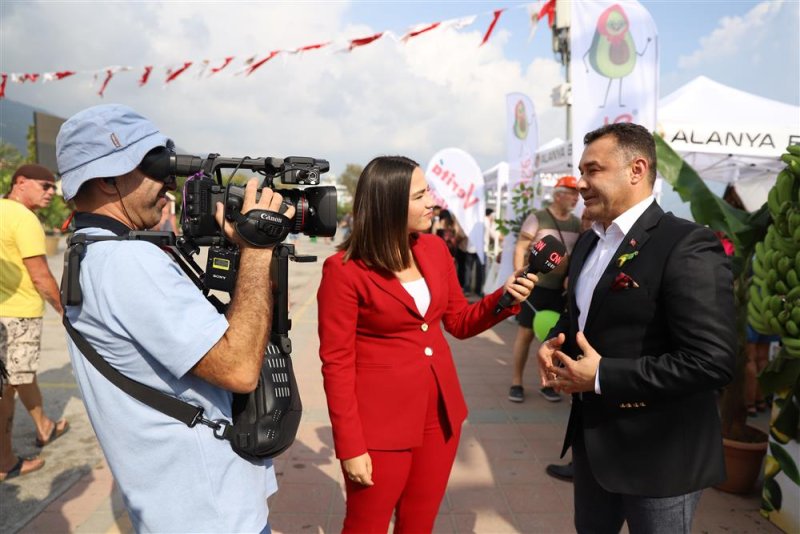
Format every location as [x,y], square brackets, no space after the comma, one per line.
[349,178]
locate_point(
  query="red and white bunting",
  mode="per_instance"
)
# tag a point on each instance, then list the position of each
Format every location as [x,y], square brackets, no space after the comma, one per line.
[172,74]
[538,12]
[215,70]
[54,76]
[145,75]
[489,31]
[20,77]
[308,48]
[419,29]
[109,73]
[363,41]
[207,68]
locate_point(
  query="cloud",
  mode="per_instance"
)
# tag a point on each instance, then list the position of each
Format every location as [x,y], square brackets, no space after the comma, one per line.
[438,90]
[734,35]
[757,52]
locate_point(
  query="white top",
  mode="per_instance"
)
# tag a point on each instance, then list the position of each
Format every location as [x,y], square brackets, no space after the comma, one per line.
[419,291]
[598,259]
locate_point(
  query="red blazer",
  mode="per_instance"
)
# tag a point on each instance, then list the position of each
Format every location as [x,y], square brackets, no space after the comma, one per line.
[378,352]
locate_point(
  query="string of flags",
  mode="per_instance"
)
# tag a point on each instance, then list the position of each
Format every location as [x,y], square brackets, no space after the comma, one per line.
[208,67]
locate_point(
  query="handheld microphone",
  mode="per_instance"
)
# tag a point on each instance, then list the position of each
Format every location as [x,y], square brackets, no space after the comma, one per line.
[545,256]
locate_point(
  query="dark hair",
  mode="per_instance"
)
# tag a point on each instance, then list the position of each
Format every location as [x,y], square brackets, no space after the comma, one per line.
[379,234]
[633,139]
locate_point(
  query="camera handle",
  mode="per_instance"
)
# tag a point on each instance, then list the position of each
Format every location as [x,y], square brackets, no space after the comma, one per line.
[281,324]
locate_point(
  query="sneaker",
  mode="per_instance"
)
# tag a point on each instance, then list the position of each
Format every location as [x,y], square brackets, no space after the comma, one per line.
[550,394]
[516,394]
[561,472]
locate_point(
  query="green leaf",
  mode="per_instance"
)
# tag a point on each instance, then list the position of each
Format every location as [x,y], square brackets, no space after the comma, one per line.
[781,373]
[788,466]
[772,497]
[743,228]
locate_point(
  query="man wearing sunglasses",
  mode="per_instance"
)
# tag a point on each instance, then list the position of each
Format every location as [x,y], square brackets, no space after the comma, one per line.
[25,283]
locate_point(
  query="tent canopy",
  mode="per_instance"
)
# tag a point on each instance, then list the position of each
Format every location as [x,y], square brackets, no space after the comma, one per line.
[727,134]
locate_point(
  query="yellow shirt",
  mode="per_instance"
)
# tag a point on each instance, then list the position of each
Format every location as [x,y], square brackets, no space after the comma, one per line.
[21,236]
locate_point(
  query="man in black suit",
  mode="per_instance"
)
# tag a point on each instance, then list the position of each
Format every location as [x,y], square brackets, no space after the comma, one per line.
[647,340]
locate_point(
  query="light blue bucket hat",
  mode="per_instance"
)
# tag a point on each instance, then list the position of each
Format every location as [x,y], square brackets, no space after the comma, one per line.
[103,141]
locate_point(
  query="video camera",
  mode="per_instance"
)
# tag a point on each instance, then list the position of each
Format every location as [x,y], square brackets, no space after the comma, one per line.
[315,207]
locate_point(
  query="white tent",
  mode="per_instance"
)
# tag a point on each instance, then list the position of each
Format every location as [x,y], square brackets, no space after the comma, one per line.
[728,135]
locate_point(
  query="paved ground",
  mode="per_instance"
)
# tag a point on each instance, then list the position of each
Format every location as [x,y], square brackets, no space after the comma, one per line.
[498,483]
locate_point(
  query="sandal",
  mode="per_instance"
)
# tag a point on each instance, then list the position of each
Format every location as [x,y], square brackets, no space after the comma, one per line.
[18,470]
[54,434]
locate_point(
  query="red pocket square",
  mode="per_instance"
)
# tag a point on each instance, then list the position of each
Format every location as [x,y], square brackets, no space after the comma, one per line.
[623,281]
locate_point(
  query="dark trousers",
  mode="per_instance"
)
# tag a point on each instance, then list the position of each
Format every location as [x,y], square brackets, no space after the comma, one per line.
[598,511]
[473,274]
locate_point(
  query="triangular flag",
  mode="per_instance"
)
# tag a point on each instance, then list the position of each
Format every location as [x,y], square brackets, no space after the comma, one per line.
[497,14]
[227,62]
[3,85]
[363,41]
[172,74]
[257,64]
[53,76]
[419,29]
[309,47]
[24,77]
[145,75]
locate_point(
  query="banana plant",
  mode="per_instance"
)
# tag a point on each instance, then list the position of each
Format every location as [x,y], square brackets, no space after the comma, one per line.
[744,230]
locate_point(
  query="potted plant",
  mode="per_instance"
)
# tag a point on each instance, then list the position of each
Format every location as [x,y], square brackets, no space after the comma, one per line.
[744,230]
[774,308]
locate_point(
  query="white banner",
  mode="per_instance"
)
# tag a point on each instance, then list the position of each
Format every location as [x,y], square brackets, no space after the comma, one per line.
[457,184]
[522,138]
[614,67]
[522,141]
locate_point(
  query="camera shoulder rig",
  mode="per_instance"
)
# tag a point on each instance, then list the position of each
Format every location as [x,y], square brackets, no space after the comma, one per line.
[71,294]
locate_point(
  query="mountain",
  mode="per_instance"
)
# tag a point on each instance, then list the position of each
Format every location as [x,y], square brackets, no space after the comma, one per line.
[15,118]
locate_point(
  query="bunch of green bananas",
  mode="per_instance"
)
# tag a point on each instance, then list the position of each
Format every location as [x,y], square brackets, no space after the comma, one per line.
[774,303]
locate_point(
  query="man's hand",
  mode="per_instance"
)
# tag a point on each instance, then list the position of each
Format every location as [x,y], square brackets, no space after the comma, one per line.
[576,376]
[520,287]
[359,469]
[545,356]
[270,200]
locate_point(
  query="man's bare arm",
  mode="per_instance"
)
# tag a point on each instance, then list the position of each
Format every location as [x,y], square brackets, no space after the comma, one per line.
[43,281]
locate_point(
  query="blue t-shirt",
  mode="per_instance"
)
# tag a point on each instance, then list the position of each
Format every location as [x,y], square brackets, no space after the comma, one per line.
[149,321]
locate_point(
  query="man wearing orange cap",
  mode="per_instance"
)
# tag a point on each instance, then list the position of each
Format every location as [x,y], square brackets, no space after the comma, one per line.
[24,286]
[556,220]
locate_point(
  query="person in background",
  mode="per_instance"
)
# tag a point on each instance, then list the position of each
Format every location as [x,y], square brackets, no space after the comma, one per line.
[393,393]
[558,221]
[565,471]
[25,284]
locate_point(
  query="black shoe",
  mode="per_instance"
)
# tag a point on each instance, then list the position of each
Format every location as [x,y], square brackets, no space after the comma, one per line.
[516,394]
[561,472]
[550,394]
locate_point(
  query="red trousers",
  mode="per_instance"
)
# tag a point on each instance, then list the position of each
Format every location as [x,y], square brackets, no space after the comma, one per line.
[409,482]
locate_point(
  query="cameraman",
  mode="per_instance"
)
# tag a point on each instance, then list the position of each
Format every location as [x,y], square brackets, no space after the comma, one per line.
[152,324]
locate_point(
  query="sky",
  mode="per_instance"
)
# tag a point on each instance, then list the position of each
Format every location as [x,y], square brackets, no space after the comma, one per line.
[439,90]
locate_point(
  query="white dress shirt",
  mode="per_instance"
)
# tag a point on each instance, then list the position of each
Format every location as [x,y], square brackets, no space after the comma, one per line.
[596,263]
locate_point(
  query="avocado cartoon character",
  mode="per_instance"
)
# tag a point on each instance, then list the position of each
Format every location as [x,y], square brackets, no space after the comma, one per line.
[613,52]
[520,121]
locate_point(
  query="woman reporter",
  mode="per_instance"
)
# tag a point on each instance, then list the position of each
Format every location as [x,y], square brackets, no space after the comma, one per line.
[393,394]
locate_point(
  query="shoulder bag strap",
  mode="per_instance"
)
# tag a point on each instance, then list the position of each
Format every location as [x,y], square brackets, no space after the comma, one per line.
[184,412]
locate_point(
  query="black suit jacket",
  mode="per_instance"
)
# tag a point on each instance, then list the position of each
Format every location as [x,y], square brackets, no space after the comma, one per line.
[666,346]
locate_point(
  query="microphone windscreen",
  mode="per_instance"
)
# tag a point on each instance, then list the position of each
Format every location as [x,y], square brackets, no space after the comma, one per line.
[546,255]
